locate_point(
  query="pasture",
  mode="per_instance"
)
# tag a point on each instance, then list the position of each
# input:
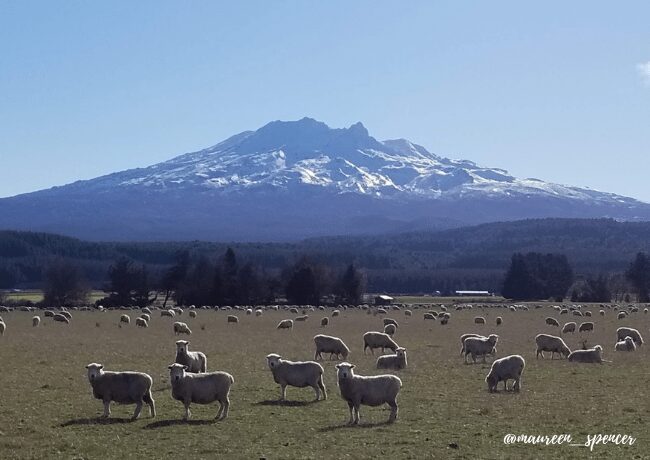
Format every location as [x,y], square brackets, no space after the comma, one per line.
[445,409]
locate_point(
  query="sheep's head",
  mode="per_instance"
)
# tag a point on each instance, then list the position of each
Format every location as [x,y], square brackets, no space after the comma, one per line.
[345,351]
[344,371]
[491,380]
[176,371]
[273,360]
[629,341]
[493,338]
[565,350]
[401,351]
[181,346]
[94,370]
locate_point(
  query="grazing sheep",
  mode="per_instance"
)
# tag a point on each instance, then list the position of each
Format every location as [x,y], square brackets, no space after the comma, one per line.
[181,328]
[168,313]
[551,343]
[552,322]
[192,314]
[462,341]
[395,362]
[285,324]
[146,310]
[499,321]
[569,327]
[503,369]
[590,355]
[586,327]
[374,340]
[298,374]
[623,332]
[331,345]
[201,389]
[293,310]
[480,346]
[232,319]
[390,329]
[249,311]
[588,313]
[121,387]
[194,360]
[66,314]
[59,318]
[479,320]
[177,310]
[302,318]
[141,322]
[258,312]
[429,316]
[48,313]
[3,326]
[622,315]
[336,313]
[408,313]
[388,321]
[381,311]
[36,320]
[577,313]
[146,317]
[125,319]
[367,390]
[625,345]
[602,312]
[325,321]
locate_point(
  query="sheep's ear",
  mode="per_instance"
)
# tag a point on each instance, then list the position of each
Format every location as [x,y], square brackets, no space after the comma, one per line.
[338,366]
[186,368]
[170,366]
[100,367]
[352,366]
[87,366]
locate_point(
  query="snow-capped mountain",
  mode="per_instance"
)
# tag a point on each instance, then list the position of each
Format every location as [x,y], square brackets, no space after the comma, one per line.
[296,179]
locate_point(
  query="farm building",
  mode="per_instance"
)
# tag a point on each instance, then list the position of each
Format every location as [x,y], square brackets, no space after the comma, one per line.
[473,293]
[383,300]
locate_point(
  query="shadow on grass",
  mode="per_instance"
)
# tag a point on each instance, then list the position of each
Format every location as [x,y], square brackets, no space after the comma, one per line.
[360,425]
[175,422]
[278,402]
[96,421]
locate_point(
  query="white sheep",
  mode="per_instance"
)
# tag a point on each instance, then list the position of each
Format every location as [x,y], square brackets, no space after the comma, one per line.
[331,345]
[201,389]
[374,340]
[298,374]
[194,360]
[388,321]
[622,315]
[625,345]
[504,369]
[125,319]
[390,329]
[586,326]
[324,322]
[168,313]
[569,327]
[552,322]
[141,322]
[367,390]
[302,318]
[462,343]
[480,346]
[429,316]
[479,320]
[36,320]
[146,317]
[121,387]
[232,319]
[623,332]
[546,342]
[258,312]
[192,314]
[59,318]
[181,328]
[591,355]
[336,313]
[285,324]
[395,362]
[408,313]
[499,321]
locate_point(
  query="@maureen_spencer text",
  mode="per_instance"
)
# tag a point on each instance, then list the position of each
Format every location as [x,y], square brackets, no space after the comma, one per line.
[560,439]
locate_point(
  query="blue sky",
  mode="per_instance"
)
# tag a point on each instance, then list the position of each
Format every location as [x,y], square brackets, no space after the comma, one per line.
[555,90]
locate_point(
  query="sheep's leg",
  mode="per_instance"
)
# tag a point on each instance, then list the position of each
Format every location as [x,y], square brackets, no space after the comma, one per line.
[552,354]
[188,414]
[321,385]
[107,408]
[357,416]
[331,355]
[317,391]
[283,392]
[517,385]
[351,407]
[225,408]
[138,409]
[484,355]
[152,405]
[393,411]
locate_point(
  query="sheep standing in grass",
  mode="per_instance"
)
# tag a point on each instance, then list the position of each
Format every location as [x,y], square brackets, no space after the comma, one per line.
[232,319]
[480,346]
[36,320]
[125,319]
[181,328]
[141,322]
[146,317]
[395,362]
[586,327]
[590,355]
[622,315]
[121,387]
[390,329]
[192,314]
[504,369]
[374,340]
[194,360]
[367,390]
[298,374]
[479,320]
[551,343]
[625,345]
[552,322]
[465,336]
[623,332]
[331,345]
[499,321]
[324,322]
[388,321]
[168,313]
[429,316]
[285,324]
[201,389]
[569,327]
[59,318]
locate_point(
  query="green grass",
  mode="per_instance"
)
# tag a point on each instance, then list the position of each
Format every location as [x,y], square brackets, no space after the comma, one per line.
[48,410]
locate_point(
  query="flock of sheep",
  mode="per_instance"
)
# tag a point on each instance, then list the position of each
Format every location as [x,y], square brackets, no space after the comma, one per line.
[192,383]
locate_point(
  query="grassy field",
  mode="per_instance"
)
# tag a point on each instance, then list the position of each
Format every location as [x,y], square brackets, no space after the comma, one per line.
[445,410]
[36,295]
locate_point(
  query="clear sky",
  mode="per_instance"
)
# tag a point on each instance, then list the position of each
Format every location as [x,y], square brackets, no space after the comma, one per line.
[557,90]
